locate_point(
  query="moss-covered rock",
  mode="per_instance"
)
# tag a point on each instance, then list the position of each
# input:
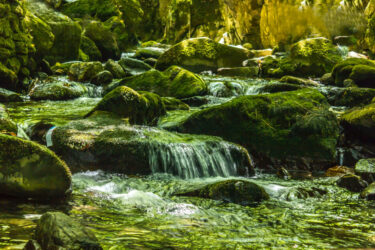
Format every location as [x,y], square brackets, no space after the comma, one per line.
[102,9]
[84,71]
[149,52]
[115,68]
[293,128]
[9,96]
[140,108]
[103,38]
[28,169]
[8,78]
[89,47]
[363,76]
[369,192]
[102,78]
[104,141]
[56,230]
[299,81]
[366,169]
[352,183]
[54,89]
[171,103]
[67,33]
[360,122]
[174,82]
[343,70]
[6,124]
[134,65]
[349,97]
[235,191]
[200,54]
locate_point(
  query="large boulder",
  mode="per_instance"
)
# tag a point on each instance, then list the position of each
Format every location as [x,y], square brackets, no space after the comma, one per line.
[67,33]
[293,128]
[6,123]
[174,82]
[140,108]
[106,142]
[360,122]
[54,89]
[56,230]
[29,170]
[200,54]
[84,71]
[235,191]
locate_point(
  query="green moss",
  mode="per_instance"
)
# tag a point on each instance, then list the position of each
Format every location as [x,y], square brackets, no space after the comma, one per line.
[102,9]
[6,124]
[360,122]
[263,125]
[342,70]
[90,49]
[31,170]
[140,108]
[351,97]
[299,81]
[201,54]
[56,90]
[171,103]
[363,76]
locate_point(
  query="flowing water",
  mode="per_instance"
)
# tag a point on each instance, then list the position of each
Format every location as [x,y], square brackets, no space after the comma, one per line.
[142,212]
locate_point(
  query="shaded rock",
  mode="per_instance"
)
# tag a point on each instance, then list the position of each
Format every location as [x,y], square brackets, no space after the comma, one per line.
[175,82]
[29,170]
[345,40]
[151,61]
[32,245]
[84,71]
[196,101]
[134,65]
[171,103]
[89,47]
[285,127]
[369,192]
[349,97]
[299,81]
[149,52]
[360,123]
[9,96]
[116,70]
[102,78]
[241,192]
[56,230]
[299,193]
[339,171]
[6,124]
[239,71]
[200,54]
[327,79]
[279,87]
[8,79]
[106,142]
[54,89]
[140,108]
[352,183]
[67,33]
[344,69]
[366,169]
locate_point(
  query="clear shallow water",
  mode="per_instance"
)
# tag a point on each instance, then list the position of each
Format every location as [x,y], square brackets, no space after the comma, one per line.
[142,213]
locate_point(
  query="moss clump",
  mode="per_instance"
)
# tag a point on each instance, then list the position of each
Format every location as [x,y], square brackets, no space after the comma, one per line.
[235,191]
[28,169]
[263,124]
[140,108]
[175,82]
[201,54]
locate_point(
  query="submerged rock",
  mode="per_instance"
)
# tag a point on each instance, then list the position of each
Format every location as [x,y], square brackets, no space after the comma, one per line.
[29,170]
[105,142]
[352,183]
[140,108]
[293,128]
[54,89]
[6,124]
[200,54]
[174,82]
[241,192]
[366,169]
[9,96]
[56,230]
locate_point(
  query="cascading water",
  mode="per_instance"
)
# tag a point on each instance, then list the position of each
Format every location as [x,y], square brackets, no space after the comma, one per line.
[202,159]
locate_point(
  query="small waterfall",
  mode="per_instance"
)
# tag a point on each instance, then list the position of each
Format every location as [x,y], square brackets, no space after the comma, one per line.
[203,159]
[341,156]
